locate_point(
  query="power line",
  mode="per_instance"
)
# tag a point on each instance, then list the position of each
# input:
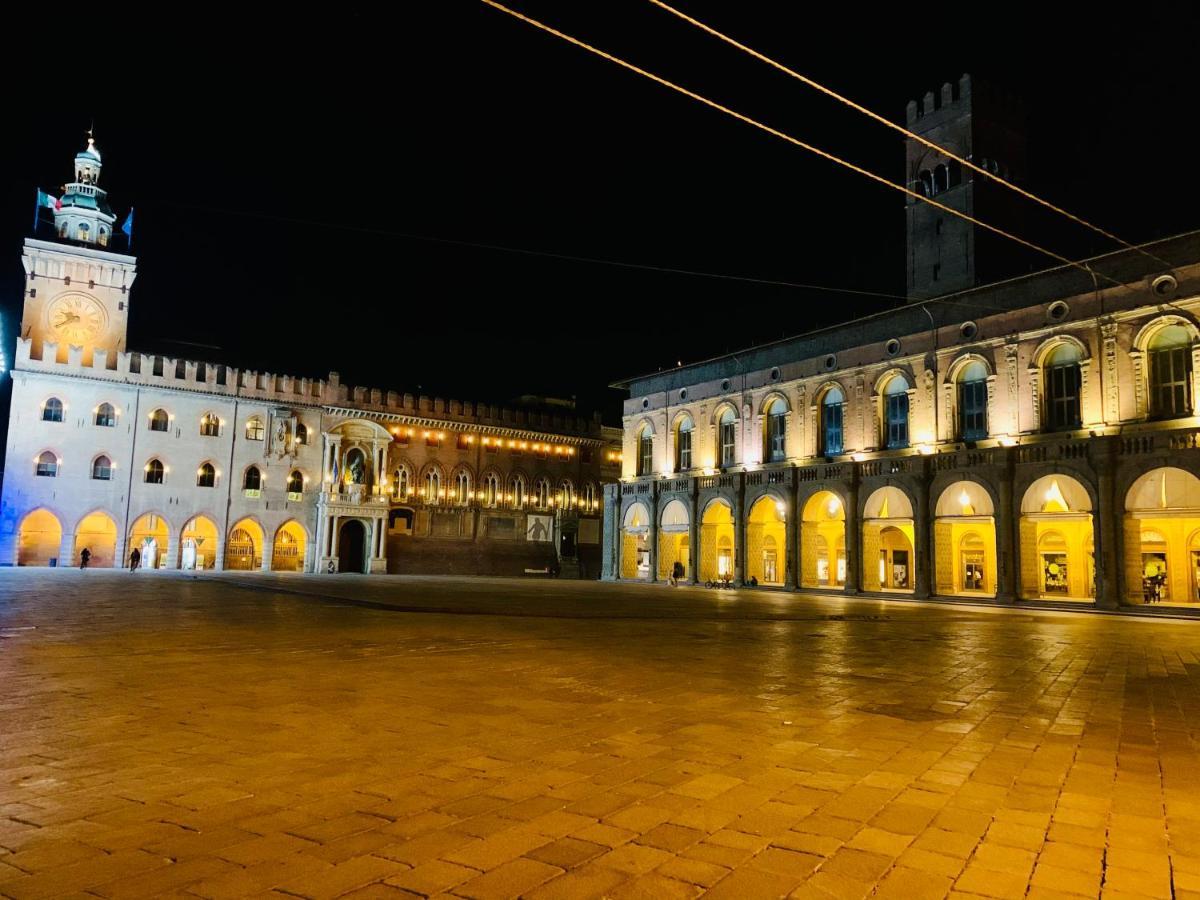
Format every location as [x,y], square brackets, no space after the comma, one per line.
[541,253]
[1029,195]
[786,137]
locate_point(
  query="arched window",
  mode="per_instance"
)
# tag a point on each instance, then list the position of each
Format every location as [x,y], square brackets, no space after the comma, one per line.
[1170,371]
[52,411]
[462,488]
[683,444]
[941,178]
[206,475]
[832,406]
[401,484]
[252,480]
[517,494]
[106,416]
[895,413]
[301,433]
[589,496]
[541,496]
[1061,377]
[972,402]
[775,431]
[254,429]
[159,420]
[566,494]
[154,472]
[955,173]
[433,486]
[491,490]
[727,436]
[645,456]
[47,464]
[295,482]
[210,425]
[102,468]
[925,183]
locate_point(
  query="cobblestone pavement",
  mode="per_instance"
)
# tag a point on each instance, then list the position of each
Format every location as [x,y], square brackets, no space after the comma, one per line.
[162,735]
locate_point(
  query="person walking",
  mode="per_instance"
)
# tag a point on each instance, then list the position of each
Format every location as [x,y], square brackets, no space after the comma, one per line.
[676,573]
[84,556]
[135,559]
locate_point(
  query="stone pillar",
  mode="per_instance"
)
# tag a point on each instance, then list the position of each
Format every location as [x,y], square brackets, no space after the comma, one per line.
[1008,532]
[693,573]
[1107,526]
[333,544]
[853,535]
[652,532]
[219,554]
[66,551]
[791,578]
[172,551]
[268,551]
[611,535]
[739,530]
[923,533]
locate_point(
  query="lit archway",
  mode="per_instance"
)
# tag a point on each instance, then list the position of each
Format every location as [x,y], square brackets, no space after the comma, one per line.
[1162,547]
[716,542]
[766,541]
[98,533]
[673,545]
[823,541]
[243,549]
[635,543]
[149,536]
[964,541]
[888,536]
[1056,540]
[40,539]
[288,552]
[198,547]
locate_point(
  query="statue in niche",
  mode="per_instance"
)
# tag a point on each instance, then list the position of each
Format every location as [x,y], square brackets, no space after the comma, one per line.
[282,444]
[358,473]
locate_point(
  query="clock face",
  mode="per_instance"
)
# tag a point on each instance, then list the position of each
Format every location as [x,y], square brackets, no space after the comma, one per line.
[75,318]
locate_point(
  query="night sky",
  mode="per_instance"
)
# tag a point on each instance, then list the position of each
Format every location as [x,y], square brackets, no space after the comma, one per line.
[291,173]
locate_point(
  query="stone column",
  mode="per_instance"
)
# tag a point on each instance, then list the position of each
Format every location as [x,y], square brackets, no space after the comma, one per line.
[333,544]
[739,530]
[1107,527]
[1008,532]
[66,551]
[652,532]
[268,551]
[693,573]
[791,578]
[172,551]
[923,532]
[853,535]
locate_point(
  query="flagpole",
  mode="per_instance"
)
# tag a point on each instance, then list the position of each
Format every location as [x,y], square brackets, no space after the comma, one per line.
[37,206]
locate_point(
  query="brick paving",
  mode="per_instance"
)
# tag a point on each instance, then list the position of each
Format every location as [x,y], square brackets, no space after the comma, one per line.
[162,735]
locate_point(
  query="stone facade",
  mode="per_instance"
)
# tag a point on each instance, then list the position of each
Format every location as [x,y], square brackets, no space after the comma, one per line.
[1035,439]
[205,466]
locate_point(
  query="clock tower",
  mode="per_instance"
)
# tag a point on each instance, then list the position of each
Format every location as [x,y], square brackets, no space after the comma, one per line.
[76,288]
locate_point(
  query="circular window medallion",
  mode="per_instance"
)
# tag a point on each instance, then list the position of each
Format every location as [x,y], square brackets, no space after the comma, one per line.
[830,362]
[683,393]
[968,330]
[774,374]
[725,385]
[1057,311]
[892,347]
[645,403]
[1164,286]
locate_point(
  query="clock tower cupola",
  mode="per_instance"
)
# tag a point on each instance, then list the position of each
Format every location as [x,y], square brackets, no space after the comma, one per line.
[76,288]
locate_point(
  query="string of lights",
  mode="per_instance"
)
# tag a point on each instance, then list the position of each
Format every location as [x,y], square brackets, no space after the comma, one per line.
[966,163]
[859,170]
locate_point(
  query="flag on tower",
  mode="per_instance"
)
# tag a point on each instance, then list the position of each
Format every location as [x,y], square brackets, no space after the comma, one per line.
[44,201]
[128,227]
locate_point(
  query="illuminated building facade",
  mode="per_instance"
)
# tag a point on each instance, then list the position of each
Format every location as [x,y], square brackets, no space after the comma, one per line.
[203,466]
[1031,440]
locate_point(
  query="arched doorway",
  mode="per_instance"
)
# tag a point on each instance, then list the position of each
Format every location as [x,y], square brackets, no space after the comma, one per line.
[352,547]
[1162,538]
[766,541]
[98,533]
[673,547]
[40,539]
[1056,540]
[198,547]
[964,541]
[635,547]
[888,557]
[149,536]
[288,552]
[823,541]
[716,542]
[243,550]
